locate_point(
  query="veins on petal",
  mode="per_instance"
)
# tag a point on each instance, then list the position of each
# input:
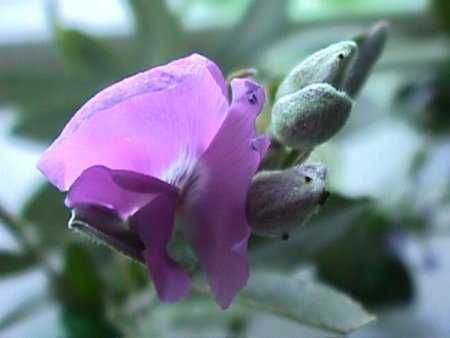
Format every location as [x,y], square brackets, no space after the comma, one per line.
[180,173]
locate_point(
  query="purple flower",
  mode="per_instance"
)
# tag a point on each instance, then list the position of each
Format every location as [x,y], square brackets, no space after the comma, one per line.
[167,146]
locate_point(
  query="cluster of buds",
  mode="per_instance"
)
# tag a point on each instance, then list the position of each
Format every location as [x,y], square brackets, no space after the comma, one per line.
[312,104]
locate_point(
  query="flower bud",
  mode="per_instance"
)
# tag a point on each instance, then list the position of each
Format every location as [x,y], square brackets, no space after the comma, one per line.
[280,201]
[310,116]
[328,65]
[371,45]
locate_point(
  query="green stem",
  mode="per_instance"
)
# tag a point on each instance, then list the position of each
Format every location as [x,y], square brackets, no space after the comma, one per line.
[27,243]
[289,159]
[15,225]
[294,157]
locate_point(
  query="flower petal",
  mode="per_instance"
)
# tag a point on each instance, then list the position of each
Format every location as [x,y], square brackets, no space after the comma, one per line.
[121,191]
[149,205]
[104,226]
[156,123]
[214,203]
[154,224]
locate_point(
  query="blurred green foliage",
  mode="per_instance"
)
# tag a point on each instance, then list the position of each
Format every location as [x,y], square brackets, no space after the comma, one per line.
[368,269]
[15,263]
[45,209]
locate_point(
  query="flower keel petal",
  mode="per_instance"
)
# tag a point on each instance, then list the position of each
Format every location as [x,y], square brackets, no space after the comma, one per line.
[154,224]
[121,191]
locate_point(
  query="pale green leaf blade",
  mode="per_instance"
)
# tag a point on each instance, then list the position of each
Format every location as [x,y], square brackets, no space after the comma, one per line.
[305,301]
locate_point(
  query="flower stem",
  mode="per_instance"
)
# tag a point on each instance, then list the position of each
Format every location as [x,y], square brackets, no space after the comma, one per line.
[294,157]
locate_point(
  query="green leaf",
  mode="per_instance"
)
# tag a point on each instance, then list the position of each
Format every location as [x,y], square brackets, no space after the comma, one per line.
[27,87]
[191,314]
[12,263]
[159,36]
[43,121]
[81,324]
[82,292]
[85,54]
[305,301]
[39,118]
[69,323]
[441,9]
[335,218]
[10,221]
[81,286]
[361,263]
[46,211]
[23,311]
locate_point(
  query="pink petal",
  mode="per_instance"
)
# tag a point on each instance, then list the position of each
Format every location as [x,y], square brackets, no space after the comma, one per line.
[123,192]
[156,123]
[214,204]
[154,224]
[149,204]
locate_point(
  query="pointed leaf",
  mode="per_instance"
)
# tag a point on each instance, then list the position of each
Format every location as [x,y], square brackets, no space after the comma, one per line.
[305,301]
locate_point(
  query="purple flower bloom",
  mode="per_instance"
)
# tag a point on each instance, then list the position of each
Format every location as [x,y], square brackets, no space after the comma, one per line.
[167,145]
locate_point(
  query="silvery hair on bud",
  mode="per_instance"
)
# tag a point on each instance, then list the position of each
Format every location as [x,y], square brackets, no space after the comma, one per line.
[311,116]
[282,200]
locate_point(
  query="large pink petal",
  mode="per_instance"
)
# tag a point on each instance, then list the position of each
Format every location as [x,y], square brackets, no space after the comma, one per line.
[156,123]
[154,224]
[213,206]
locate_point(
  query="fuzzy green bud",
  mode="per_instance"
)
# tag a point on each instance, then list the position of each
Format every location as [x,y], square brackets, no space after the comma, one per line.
[310,116]
[328,65]
[371,46]
[280,201]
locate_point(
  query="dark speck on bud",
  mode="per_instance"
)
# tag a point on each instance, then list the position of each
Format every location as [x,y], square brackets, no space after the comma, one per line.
[280,201]
[285,236]
[329,65]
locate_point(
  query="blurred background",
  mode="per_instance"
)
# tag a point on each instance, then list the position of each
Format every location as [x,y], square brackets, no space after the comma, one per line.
[384,237]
